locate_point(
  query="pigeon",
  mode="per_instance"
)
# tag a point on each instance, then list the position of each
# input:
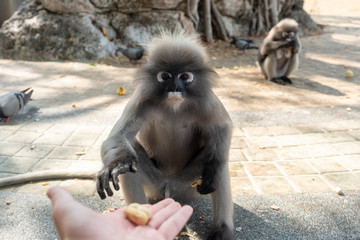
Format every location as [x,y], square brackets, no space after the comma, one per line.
[13,102]
[242,43]
[133,54]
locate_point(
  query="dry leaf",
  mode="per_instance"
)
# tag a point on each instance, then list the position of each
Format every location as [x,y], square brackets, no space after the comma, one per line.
[80,153]
[44,184]
[274,207]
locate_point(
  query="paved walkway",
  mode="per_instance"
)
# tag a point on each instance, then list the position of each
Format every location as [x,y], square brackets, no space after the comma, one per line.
[287,139]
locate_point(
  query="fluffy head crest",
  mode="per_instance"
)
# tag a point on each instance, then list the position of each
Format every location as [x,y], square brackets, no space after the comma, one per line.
[175,42]
[287,23]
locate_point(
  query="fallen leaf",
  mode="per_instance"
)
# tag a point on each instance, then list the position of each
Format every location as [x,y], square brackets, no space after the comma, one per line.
[185,234]
[80,153]
[44,184]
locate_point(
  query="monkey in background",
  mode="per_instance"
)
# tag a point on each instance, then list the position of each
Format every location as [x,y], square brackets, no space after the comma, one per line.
[278,54]
[173,131]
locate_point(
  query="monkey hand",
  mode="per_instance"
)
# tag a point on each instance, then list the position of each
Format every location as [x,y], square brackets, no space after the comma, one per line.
[209,182]
[111,171]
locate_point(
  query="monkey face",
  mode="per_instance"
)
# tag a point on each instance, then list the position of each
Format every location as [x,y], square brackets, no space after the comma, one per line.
[174,85]
[288,36]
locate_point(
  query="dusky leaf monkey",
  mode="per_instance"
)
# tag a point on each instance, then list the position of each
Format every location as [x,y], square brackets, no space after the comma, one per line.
[173,131]
[278,53]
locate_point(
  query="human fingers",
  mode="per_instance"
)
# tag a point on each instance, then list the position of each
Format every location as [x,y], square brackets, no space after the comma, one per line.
[160,205]
[173,225]
[163,214]
[58,194]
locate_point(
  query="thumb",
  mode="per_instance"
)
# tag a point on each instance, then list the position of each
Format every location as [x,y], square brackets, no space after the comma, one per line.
[58,194]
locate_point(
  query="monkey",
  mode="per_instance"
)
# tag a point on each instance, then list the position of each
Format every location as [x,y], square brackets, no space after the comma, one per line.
[278,53]
[173,131]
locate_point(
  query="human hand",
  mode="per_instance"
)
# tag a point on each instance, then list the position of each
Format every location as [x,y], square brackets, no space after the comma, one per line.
[75,221]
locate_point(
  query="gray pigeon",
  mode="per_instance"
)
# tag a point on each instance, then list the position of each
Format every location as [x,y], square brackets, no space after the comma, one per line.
[13,102]
[242,43]
[133,54]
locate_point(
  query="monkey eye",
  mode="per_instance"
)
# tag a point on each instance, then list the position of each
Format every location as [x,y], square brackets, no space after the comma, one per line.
[163,76]
[186,77]
[291,34]
[284,34]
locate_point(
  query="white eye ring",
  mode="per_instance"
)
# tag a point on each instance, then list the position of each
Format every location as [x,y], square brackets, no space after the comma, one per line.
[189,77]
[284,34]
[161,77]
[291,34]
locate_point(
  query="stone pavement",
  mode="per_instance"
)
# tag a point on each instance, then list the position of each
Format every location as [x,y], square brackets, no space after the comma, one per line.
[287,139]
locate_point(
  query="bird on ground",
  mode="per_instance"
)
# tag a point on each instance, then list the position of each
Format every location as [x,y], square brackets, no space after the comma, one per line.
[242,43]
[13,102]
[133,54]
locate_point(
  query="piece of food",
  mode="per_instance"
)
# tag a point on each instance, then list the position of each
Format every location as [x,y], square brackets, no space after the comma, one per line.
[138,214]
[338,191]
[349,74]
[196,183]
[120,91]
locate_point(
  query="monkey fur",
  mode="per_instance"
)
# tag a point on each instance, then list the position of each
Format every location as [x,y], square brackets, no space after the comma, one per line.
[173,131]
[278,53]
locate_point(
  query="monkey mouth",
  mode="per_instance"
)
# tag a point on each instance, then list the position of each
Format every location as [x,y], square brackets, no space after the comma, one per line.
[174,98]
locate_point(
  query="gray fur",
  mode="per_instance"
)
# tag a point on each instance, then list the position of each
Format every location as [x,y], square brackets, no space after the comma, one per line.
[171,147]
[278,56]
[11,103]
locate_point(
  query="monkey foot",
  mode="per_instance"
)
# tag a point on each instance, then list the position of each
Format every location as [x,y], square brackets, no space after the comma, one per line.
[278,81]
[286,79]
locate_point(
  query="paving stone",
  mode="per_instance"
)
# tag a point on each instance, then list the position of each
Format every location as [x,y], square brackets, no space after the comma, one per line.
[309,183]
[260,155]
[11,126]
[289,153]
[80,187]
[91,130]
[327,165]
[37,187]
[52,138]
[100,140]
[37,126]
[81,140]
[242,185]
[350,162]
[9,149]
[262,169]
[35,151]
[5,133]
[283,130]
[238,132]
[257,131]
[273,185]
[296,167]
[3,158]
[347,148]
[237,170]
[308,129]
[343,180]
[320,150]
[85,165]
[262,142]
[236,155]
[238,142]
[66,152]
[23,137]
[289,140]
[331,127]
[350,124]
[354,133]
[63,128]
[18,164]
[49,164]
[92,154]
